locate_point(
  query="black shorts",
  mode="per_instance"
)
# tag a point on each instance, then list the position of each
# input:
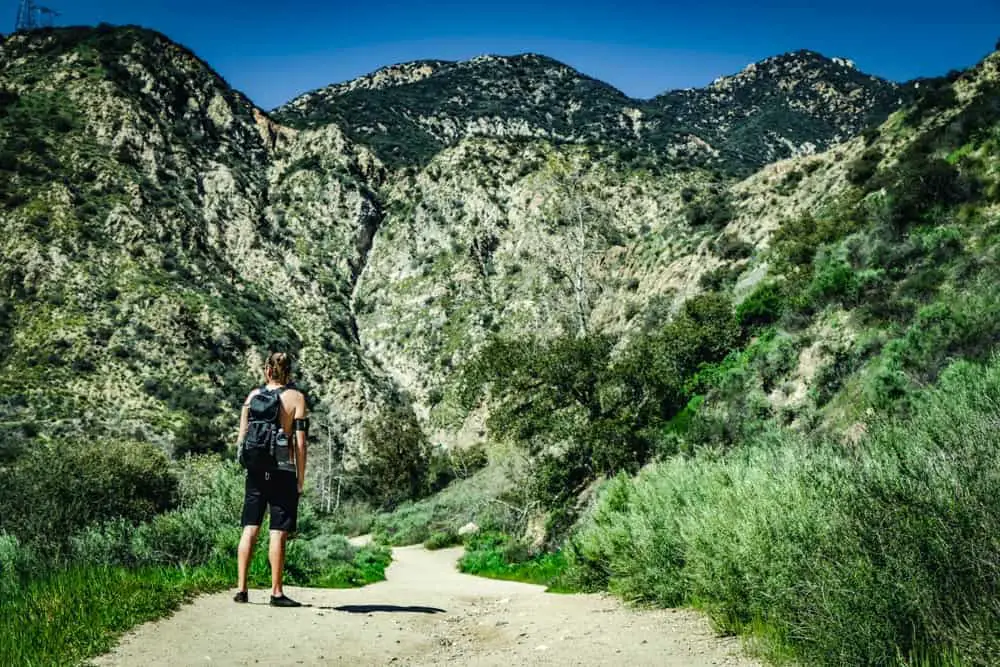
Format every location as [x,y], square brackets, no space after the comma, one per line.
[280,491]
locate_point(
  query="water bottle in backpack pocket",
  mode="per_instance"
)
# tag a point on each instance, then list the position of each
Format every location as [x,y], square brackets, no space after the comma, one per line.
[258,451]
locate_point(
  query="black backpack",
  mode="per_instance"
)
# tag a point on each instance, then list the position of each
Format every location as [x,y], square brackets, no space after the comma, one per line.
[258,452]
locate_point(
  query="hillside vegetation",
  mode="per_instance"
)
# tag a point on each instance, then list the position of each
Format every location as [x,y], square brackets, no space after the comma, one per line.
[731,348]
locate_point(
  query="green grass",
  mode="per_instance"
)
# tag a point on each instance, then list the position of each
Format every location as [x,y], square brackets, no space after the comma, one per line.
[123,574]
[72,615]
[498,556]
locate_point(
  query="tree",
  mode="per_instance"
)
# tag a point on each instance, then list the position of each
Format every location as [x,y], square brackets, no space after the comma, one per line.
[578,228]
[396,459]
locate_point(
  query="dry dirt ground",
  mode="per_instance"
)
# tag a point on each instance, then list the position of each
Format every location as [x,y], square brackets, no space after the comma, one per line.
[426,613]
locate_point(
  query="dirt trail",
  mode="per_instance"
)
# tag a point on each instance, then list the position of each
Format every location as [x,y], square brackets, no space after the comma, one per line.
[426,613]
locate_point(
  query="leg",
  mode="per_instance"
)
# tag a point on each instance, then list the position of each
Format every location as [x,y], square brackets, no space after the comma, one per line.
[276,554]
[284,515]
[247,542]
[253,516]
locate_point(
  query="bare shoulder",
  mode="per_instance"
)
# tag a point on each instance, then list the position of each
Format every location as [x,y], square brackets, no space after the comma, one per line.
[251,395]
[296,396]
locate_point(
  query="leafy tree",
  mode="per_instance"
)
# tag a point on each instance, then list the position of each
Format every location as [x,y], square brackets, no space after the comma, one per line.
[580,411]
[713,209]
[397,458]
[919,185]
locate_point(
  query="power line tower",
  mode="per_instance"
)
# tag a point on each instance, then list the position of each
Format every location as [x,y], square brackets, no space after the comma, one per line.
[31,16]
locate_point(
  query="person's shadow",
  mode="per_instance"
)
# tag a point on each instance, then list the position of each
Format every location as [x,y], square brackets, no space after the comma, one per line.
[386,608]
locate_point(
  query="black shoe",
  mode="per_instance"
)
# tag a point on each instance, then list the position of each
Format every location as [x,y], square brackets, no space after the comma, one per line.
[284,601]
[241,597]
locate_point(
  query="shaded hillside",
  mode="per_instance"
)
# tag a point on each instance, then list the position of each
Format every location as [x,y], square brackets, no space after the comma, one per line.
[800,102]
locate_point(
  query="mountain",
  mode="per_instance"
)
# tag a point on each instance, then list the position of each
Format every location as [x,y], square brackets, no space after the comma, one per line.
[409,112]
[791,104]
[156,242]
[161,233]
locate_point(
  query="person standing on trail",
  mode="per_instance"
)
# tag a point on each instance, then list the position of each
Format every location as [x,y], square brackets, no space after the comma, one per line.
[274,424]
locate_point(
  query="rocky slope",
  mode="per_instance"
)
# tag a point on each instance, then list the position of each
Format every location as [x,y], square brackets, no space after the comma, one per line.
[161,233]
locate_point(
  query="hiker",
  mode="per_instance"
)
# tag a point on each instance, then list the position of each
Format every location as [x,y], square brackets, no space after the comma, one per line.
[274,425]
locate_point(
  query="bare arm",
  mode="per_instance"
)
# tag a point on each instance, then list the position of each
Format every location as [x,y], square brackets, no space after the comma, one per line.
[300,442]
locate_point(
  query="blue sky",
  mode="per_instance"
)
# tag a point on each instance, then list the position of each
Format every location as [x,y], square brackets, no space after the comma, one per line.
[273,51]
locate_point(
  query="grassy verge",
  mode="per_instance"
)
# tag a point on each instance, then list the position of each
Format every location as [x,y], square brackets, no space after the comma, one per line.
[437,519]
[75,614]
[884,553]
[123,574]
[70,615]
[499,556]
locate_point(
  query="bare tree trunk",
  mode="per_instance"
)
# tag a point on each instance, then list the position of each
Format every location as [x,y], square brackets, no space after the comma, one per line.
[329,471]
[340,481]
[580,286]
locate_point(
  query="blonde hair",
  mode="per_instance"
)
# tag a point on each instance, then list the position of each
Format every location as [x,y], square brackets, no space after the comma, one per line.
[279,366]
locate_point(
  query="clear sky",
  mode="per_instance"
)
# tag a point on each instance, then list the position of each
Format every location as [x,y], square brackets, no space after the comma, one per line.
[275,50]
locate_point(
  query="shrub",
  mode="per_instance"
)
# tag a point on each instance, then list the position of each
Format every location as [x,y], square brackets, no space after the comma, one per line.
[714,209]
[764,306]
[795,243]
[53,491]
[720,278]
[921,185]
[867,557]
[500,556]
[730,246]
[861,171]
[442,540]
[475,499]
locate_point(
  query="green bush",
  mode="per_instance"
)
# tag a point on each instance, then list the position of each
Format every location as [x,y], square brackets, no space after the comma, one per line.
[397,458]
[53,491]
[17,562]
[795,243]
[442,540]
[713,209]
[860,557]
[123,573]
[447,465]
[477,499]
[764,306]
[720,278]
[963,325]
[580,415]
[731,247]
[861,171]
[921,185]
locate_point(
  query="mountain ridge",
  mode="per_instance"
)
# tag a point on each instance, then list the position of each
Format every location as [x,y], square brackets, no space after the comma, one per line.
[792,103]
[410,64]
